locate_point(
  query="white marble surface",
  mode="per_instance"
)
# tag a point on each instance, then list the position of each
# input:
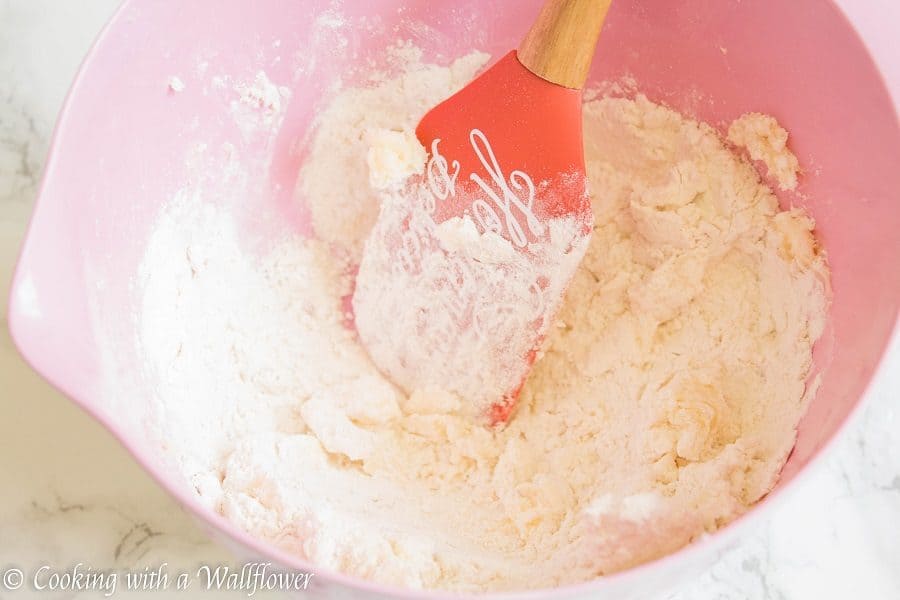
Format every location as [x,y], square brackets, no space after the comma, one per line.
[70,493]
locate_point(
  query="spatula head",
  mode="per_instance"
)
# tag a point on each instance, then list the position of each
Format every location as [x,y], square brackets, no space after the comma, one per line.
[531,125]
[459,295]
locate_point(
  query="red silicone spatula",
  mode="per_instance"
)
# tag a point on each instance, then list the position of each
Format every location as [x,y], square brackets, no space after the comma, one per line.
[457,289]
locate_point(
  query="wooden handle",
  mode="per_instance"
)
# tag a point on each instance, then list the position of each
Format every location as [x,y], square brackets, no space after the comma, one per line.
[560,45]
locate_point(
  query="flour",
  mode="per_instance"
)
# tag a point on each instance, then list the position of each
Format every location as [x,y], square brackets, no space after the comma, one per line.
[176,84]
[466,307]
[766,141]
[262,93]
[663,407]
[335,179]
[258,108]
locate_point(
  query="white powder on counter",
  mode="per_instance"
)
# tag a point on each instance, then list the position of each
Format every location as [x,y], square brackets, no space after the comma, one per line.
[664,406]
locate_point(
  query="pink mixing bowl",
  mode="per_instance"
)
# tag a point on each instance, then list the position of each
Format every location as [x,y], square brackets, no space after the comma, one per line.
[121,142]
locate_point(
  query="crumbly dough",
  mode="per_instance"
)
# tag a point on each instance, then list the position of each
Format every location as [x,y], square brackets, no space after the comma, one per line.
[663,407]
[766,141]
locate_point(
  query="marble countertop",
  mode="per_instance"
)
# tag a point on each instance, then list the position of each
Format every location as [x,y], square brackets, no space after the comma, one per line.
[71,494]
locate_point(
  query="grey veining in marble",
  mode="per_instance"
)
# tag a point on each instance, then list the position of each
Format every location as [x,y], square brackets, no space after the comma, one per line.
[71,494]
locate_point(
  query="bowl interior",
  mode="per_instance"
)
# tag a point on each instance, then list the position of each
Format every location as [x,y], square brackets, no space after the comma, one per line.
[127,143]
